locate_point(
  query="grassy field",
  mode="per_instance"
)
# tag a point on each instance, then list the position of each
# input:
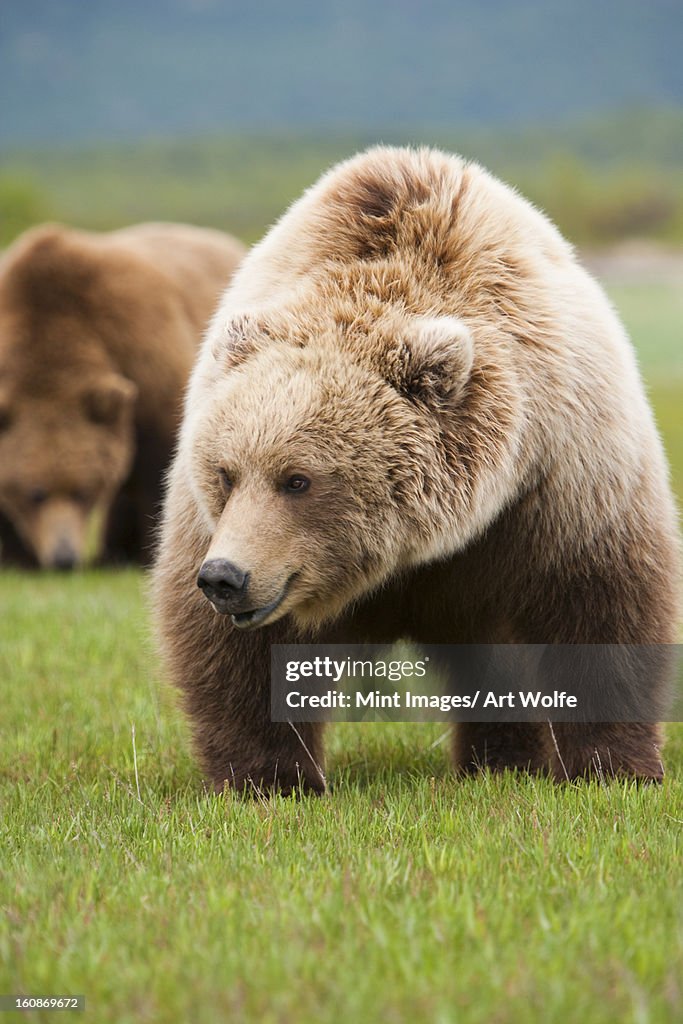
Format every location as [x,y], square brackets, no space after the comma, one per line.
[404,896]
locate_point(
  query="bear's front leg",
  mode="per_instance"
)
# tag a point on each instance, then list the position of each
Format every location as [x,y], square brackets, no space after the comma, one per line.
[224,677]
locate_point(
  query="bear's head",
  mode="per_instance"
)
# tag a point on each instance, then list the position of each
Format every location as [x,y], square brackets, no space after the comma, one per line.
[66,414]
[321,467]
[64,451]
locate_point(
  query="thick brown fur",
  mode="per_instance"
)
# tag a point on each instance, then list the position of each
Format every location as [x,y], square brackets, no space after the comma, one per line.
[422,345]
[98,333]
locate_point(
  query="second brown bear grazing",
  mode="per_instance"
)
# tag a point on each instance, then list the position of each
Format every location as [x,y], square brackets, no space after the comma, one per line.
[415,415]
[98,333]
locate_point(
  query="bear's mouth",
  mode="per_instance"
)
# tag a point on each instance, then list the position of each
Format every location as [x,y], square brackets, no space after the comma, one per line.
[254,618]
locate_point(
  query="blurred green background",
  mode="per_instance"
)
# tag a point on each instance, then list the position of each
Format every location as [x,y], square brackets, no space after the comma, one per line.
[220,111]
[602,179]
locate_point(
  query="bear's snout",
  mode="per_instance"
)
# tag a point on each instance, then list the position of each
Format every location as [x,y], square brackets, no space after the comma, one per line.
[224,583]
[64,556]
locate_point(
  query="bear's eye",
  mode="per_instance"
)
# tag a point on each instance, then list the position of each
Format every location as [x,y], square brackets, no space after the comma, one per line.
[37,496]
[225,481]
[297,483]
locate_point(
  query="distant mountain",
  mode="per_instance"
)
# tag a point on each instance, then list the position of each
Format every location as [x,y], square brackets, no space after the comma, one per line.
[79,70]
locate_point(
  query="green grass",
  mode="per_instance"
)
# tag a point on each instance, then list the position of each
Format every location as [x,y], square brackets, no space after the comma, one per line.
[405,895]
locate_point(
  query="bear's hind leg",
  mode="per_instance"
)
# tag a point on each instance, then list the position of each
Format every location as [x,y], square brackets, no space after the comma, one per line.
[605,750]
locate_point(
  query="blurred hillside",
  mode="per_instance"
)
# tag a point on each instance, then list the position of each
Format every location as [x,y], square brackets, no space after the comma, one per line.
[79,71]
[601,179]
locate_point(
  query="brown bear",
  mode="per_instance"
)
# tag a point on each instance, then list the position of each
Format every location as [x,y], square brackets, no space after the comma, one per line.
[98,333]
[415,416]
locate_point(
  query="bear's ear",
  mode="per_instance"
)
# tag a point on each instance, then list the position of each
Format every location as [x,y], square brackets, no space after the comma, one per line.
[238,340]
[105,400]
[433,361]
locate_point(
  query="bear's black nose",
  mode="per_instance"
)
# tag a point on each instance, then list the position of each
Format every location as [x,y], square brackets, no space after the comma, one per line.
[64,556]
[64,562]
[221,579]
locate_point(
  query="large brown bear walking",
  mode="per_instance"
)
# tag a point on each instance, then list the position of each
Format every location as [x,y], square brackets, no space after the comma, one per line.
[97,337]
[416,416]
